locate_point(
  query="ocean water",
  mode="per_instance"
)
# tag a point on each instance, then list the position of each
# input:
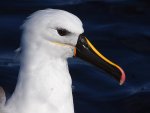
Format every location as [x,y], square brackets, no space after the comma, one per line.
[118,29]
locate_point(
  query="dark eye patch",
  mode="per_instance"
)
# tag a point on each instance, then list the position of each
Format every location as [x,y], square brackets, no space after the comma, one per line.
[62,32]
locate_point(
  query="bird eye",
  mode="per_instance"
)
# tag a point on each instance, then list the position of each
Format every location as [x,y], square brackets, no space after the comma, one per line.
[62,32]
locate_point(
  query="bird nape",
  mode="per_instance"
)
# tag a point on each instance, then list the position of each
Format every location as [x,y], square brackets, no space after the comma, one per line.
[44,86]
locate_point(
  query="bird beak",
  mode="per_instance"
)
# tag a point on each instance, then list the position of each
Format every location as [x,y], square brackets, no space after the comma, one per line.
[86,51]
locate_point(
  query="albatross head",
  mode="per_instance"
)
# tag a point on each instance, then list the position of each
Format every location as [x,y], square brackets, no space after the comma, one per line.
[60,35]
[56,31]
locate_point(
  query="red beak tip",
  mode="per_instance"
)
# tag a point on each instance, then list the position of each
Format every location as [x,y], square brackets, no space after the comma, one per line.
[123,78]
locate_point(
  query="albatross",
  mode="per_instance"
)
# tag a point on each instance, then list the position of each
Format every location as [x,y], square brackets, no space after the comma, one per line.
[44,84]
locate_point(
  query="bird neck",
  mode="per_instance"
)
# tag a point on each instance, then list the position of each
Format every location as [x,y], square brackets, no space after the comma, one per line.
[44,85]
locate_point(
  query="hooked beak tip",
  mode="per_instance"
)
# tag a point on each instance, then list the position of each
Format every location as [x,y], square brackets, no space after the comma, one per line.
[123,77]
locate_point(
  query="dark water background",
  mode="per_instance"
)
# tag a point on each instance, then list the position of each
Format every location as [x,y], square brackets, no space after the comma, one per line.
[120,29]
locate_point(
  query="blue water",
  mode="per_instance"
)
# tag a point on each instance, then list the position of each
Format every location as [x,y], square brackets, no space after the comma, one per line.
[119,29]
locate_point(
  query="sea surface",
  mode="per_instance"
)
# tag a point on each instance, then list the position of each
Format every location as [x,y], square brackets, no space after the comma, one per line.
[120,29]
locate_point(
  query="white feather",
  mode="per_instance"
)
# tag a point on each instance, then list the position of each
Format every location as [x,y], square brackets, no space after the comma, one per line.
[44,83]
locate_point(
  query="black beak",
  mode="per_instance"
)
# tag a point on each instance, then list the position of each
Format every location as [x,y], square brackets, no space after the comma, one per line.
[86,51]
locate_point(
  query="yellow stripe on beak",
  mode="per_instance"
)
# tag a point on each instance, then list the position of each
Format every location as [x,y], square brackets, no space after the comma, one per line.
[108,61]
